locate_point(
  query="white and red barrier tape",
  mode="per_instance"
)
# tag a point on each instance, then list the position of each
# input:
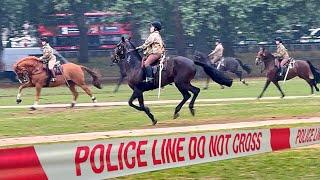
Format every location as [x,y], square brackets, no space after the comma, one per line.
[119,157]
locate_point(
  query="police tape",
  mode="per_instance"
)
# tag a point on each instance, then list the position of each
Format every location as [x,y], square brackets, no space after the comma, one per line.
[110,158]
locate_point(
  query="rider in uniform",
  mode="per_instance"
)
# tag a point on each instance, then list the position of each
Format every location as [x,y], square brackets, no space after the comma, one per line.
[282,55]
[48,56]
[153,49]
[217,53]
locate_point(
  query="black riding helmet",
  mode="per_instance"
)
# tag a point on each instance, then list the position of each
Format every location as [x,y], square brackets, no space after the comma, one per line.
[278,39]
[218,40]
[45,39]
[156,25]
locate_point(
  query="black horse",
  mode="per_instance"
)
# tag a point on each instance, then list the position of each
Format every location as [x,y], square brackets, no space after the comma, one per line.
[179,70]
[231,64]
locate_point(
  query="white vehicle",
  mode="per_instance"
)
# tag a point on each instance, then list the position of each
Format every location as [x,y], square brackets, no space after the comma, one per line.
[314,36]
[11,55]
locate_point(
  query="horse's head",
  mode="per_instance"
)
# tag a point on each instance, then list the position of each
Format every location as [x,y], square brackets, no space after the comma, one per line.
[125,50]
[261,56]
[120,51]
[199,56]
[24,68]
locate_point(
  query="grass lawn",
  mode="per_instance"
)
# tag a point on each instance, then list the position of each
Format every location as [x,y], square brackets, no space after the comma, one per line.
[22,122]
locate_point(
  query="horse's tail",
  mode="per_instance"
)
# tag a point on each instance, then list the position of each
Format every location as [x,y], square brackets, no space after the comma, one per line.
[315,71]
[246,67]
[95,75]
[216,75]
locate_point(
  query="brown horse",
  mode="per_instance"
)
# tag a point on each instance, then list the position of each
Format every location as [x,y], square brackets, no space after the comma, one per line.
[303,69]
[32,73]
[179,70]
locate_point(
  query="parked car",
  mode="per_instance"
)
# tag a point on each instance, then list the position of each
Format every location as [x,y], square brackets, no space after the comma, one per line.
[11,55]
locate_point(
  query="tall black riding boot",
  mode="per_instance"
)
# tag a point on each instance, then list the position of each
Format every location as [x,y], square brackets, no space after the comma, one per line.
[148,72]
[281,71]
[53,74]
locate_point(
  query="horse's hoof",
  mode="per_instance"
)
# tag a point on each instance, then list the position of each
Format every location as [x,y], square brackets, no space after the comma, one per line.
[205,88]
[246,84]
[192,111]
[282,97]
[94,101]
[221,87]
[154,122]
[258,98]
[72,105]
[18,101]
[33,108]
[176,115]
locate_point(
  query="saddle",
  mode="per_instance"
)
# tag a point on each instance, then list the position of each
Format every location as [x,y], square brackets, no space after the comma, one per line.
[58,69]
[286,66]
[155,67]
[220,63]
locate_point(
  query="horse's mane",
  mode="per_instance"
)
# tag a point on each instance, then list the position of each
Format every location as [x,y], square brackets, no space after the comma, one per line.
[269,55]
[33,59]
[202,54]
[134,51]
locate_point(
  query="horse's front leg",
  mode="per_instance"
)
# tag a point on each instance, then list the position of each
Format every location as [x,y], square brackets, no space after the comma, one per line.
[134,96]
[146,109]
[119,83]
[207,83]
[36,102]
[19,100]
[264,88]
[279,88]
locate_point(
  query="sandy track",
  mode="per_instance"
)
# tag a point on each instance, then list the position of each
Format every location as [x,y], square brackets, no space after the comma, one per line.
[151,131]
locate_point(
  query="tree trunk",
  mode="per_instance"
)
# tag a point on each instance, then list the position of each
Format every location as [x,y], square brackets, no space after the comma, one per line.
[227,33]
[1,45]
[79,8]
[83,52]
[180,41]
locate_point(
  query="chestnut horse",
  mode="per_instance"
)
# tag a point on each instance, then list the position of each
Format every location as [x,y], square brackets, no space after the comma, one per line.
[303,69]
[32,73]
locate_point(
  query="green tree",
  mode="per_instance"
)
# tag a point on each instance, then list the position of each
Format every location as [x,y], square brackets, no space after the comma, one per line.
[11,17]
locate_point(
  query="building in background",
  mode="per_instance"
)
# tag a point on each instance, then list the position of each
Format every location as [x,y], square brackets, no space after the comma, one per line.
[64,34]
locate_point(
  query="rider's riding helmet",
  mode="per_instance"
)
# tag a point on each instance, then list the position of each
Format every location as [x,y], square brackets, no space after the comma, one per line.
[278,39]
[45,39]
[156,25]
[218,40]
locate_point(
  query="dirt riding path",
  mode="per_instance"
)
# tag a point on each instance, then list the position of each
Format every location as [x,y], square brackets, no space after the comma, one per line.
[151,131]
[159,102]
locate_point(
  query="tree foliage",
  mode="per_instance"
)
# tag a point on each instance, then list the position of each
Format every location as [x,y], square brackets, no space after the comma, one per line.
[185,22]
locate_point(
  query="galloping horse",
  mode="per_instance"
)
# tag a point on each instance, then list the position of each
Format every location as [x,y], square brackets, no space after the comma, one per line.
[231,64]
[303,69]
[32,73]
[179,70]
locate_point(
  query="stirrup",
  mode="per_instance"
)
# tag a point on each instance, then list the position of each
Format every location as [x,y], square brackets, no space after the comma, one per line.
[148,79]
[53,79]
